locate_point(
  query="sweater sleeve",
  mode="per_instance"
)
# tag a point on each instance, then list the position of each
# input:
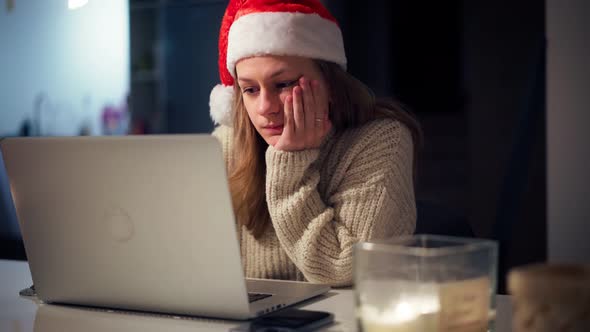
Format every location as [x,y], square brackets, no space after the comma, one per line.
[374,199]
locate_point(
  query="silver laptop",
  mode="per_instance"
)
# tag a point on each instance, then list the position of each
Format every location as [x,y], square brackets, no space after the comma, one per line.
[136,222]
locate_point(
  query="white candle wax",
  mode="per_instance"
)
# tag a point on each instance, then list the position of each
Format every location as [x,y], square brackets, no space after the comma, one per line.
[407,315]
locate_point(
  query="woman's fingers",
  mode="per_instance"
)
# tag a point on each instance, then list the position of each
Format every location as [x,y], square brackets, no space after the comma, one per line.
[298,111]
[310,107]
[289,125]
[321,107]
[306,117]
[319,100]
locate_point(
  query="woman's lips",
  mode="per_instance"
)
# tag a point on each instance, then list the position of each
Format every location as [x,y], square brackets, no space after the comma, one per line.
[274,130]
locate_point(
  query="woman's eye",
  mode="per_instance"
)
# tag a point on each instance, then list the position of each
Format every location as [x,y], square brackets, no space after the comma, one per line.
[248,90]
[288,84]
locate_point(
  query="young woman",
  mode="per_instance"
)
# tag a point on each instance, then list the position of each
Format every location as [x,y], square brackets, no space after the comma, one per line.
[315,163]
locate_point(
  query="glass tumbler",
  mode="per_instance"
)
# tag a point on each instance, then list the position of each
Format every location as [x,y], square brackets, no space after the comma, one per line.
[425,283]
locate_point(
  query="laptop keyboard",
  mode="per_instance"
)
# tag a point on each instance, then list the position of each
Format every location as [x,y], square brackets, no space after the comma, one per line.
[253,297]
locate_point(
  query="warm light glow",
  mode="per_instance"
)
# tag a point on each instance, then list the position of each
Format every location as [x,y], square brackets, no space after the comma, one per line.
[408,315]
[402,311]
[76,4]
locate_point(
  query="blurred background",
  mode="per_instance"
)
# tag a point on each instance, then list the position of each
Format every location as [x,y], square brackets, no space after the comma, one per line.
[501,107]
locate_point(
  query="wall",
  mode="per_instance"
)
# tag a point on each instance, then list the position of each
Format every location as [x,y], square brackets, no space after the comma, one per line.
[568,102]
[70,63]
[190,36]
[504,83]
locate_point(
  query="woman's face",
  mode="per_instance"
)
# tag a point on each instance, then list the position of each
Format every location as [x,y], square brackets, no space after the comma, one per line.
[265,82]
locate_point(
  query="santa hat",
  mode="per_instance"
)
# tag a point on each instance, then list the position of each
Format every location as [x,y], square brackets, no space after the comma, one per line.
[262,27]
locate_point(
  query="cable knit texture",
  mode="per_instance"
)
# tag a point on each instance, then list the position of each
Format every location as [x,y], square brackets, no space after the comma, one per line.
[356,187]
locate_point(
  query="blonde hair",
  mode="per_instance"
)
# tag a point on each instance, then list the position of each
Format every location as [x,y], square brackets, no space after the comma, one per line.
[356,105]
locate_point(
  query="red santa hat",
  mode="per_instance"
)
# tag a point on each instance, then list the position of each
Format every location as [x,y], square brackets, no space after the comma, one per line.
[262,27]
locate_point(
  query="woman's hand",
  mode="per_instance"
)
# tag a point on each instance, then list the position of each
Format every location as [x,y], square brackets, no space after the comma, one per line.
[306,117]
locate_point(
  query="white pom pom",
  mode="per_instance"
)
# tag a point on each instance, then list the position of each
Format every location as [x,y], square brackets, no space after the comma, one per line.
[220,104]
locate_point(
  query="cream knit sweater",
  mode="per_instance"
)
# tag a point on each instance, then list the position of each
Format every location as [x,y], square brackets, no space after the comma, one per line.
[357,186]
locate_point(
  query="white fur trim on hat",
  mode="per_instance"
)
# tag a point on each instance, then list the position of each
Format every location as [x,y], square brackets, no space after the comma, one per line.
[220,104]
[283,33]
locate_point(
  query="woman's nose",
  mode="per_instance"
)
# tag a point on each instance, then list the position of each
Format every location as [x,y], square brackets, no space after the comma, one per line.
[268,103]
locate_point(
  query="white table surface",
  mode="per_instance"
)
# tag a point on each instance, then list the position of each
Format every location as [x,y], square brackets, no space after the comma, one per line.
[19,314]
